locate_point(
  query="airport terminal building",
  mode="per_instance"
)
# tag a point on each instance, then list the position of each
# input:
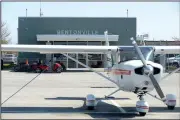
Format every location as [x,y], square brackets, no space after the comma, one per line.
[73,31]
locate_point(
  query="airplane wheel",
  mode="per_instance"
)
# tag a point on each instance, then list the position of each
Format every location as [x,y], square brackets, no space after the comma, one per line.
[171,107]
[170,101]
[90,107]
[142,113]
[142,107]
[90,102]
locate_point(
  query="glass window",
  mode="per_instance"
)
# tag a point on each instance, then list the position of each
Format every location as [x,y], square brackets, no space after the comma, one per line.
[8,55]
[95,56]
[95,64]
[60,57]
[82,61]
[60,43]
[81,56]
[178,56]
[94,43]
[72,55]
[129,53]
[77,42]
[71,63]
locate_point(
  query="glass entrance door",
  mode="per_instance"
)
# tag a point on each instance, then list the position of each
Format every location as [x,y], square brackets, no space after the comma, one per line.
[82,59]
[71,63]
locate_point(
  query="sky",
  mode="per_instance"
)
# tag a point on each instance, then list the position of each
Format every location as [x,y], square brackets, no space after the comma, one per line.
[158,19]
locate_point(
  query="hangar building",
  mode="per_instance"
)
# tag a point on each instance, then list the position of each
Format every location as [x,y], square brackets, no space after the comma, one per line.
[74,31]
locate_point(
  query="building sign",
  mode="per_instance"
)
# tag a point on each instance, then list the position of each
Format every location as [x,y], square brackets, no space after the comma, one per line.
[77,32]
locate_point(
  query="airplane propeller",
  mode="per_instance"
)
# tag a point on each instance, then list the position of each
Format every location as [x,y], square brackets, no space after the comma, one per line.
[148,70]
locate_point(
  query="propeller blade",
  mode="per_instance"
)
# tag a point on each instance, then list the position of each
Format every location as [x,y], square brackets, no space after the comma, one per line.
[157,87]
[139,52]
[149,71]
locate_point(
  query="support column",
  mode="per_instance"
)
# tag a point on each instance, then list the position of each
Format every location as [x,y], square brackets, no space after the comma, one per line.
[77,59]
[48,58]
[163,62]
[87,60]
[105,61]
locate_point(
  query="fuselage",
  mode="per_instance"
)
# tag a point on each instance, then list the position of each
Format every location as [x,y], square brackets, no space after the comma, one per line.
[128,75]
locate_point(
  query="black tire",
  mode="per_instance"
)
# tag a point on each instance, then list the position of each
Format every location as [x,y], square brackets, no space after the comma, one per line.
[90,107]
[142,113]
[176,64]
[16,68]
[171,107]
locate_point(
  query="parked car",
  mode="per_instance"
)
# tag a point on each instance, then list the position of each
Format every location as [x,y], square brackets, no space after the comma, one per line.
[9,59]
[175,61]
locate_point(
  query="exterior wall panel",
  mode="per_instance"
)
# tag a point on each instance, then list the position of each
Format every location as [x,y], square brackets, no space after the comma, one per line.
[29,27]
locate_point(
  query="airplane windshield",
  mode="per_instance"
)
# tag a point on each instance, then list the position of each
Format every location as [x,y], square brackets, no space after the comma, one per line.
[129,53]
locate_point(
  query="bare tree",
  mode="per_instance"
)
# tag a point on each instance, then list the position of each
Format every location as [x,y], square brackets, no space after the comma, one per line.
[5,34]
[176,38]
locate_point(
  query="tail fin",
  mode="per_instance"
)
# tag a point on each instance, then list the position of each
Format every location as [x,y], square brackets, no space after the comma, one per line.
[109,61]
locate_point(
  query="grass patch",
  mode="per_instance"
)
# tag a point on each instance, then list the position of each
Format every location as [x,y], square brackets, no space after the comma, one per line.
[8,66]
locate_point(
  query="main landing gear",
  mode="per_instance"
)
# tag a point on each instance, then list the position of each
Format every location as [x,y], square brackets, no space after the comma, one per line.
[142,106]
[170,101]
[91,102]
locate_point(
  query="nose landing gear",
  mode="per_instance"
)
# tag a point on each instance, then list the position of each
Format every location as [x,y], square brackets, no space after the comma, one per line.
[142,106]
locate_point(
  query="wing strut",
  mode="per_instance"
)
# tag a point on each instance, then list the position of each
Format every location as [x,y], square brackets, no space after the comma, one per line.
[90,68]
[177,69]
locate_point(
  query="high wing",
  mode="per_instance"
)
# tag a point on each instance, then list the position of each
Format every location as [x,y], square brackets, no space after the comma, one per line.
[58,48]
[167,49]
[82,49]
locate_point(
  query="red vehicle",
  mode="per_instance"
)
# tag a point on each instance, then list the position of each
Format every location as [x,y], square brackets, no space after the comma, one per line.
[43,67]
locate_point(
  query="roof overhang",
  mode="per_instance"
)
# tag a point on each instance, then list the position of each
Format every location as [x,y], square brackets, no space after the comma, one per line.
[76,37]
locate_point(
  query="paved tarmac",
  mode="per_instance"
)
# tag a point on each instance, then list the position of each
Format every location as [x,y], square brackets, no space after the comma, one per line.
[61,96]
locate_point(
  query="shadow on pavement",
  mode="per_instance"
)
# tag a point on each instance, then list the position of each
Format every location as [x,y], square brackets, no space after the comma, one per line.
[103,110]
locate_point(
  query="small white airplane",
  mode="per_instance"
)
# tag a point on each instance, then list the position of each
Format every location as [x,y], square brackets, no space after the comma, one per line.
[137,74]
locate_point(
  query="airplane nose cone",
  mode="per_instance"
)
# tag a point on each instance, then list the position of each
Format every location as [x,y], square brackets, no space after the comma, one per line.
[148,69]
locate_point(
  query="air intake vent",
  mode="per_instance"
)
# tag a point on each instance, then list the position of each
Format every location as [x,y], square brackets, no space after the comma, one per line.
[139,71]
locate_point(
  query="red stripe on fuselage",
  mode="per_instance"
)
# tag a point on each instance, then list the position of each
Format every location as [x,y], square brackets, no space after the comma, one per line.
[121,72]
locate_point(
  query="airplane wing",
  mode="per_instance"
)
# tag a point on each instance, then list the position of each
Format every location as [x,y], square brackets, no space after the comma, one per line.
[58,48]
[167,49]
[81,49]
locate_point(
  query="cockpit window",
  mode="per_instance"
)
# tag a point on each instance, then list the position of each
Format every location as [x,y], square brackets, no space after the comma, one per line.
[129,53]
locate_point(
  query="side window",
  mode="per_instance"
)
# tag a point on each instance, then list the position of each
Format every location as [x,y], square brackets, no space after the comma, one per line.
[178,56]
